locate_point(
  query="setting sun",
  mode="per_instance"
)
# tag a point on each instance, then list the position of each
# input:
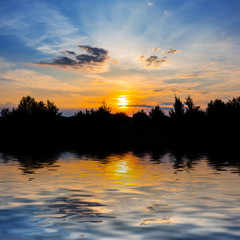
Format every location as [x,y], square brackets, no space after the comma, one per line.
[123,102]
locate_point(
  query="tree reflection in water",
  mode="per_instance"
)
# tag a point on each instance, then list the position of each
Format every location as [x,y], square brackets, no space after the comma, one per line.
[30,161]
[77,207]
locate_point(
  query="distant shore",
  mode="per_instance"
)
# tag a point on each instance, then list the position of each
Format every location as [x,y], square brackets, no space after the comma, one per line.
[33,123]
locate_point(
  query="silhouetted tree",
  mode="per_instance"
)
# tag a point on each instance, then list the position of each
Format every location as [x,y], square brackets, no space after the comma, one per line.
[103,113]
[26,107]
[216,110]
[233,115]
[178,111]
[217,120]
[120,118]
[51,109]
[157,115]
[84,115]
[6,113]
[30,108]
[233,108]
[32,119]
[193,112]
[190,106]
[234,103]
[140,117]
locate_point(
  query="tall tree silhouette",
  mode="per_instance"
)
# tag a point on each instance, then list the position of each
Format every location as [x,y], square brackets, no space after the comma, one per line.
[178,109]
[190,106]
[193,113]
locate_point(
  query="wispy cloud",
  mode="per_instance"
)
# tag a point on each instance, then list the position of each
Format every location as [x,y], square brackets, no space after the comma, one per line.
[97,79]
[192,75]
[25,78]
[95,61]
[180,91]
[4,64]
[42,26]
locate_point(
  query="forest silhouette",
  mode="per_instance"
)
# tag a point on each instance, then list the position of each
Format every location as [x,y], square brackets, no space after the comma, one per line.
[38,122]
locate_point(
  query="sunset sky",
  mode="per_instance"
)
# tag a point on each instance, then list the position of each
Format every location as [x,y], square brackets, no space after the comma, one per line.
[133,53]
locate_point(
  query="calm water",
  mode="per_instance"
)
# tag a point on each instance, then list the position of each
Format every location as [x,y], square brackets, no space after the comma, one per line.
[165,196]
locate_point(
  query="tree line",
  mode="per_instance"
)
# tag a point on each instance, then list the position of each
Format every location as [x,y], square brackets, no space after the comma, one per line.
[185,120]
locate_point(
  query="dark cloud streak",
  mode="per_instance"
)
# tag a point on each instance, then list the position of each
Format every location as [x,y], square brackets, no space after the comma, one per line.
[69,52]
[95,51]
[95,60]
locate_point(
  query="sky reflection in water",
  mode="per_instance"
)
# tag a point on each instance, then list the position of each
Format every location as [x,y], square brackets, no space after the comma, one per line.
[118,196]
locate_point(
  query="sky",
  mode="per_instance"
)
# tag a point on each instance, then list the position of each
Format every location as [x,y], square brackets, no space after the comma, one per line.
[132,54]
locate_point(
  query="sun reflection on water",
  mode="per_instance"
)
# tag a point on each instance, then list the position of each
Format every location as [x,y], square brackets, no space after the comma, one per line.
[123,193]
[121,167]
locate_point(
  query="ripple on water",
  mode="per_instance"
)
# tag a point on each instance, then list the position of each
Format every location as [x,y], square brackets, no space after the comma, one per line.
[74,209]
[155,221]
[89,199]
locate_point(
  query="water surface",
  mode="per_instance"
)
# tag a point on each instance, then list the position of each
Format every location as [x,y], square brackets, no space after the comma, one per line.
[67,195]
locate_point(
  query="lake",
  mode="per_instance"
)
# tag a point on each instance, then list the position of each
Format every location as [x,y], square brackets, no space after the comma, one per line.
[119,195]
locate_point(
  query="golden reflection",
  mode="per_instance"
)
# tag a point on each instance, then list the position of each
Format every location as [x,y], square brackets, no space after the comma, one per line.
[154,221]
[121,167]
[125,168]
[123,102]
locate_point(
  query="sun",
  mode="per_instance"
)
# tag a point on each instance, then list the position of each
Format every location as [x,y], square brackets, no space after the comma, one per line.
[122,102]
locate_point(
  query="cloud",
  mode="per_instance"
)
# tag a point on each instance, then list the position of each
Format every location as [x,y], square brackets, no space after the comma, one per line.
[192,75]
[166,103]
[95,61]
[4,64]
[171,51]
[69,52]
[183,81]
[95,51]
[150,4]
[167,13]
[25,78]
[155,49]
[97,79]
[155,61]
[164,90]
[185,91]
[151,62]
[42,26]
[141,106]
[7,105]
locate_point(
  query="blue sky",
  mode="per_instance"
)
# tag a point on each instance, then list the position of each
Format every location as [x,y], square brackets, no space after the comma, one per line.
[78,53]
